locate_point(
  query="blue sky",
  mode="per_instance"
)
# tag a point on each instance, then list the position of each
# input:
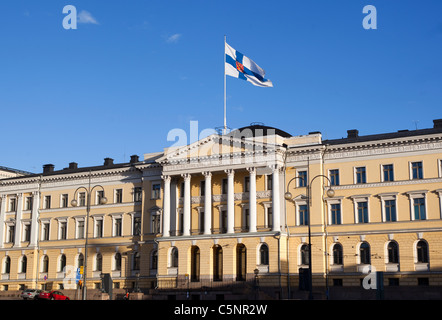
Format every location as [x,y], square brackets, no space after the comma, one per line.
[134,70]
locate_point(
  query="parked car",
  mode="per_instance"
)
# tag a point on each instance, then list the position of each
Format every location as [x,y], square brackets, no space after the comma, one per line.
[52,295]
[30,294]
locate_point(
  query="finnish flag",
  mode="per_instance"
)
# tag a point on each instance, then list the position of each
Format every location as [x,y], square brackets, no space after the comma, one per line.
[239,66]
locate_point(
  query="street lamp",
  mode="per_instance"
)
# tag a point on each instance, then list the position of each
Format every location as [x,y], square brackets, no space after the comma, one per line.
[288,196]
[74,203]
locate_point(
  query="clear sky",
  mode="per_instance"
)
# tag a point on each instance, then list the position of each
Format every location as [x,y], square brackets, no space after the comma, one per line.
[134,70]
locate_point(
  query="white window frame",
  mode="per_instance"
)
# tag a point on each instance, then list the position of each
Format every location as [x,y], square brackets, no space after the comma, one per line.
[97,218]
[45,222]
[355,177]
[77,227]
[300,200]
[357,199]
[60,222]
[419,194]
[25,223]
[134,215]
[410,170]
[388,196]
[115,217]
[330,201]
[301,169]
[115,195]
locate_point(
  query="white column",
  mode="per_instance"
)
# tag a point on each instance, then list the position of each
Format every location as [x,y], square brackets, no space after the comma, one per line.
[34,222]
[252,199]
[2,219]
[275,199]
[230,201]
[208,203]
[187,204]
[166,206]
[18,215]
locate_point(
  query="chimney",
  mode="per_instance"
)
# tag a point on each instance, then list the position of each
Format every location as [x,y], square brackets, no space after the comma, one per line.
[73,165]
[352,133]
[108,162]
[47,168]
[134,158]
[437,123]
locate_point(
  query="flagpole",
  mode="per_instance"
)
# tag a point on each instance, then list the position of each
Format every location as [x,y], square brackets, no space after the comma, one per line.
[225,108]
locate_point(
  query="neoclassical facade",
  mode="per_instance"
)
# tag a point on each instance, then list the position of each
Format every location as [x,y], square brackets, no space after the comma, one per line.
[214,218]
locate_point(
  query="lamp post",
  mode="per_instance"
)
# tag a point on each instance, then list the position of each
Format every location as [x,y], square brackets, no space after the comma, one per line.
[288,196]
[74,203]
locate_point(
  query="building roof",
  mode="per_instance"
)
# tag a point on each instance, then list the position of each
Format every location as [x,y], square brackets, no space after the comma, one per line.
[256,129]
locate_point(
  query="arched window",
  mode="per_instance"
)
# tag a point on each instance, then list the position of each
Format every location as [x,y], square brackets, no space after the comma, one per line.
[217,263]
[393,252]
[304,254]
[264,254]
[136,261]
[154,260]
[364,253]
[7,265]
[98,262]
[62,263]
[174,258]
[23,264]
[338,254]
[117,261]
[45,264]
[195,264]
[241,262]
[422,251]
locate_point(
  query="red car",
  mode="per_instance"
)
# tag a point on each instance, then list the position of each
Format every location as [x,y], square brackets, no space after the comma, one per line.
[52,295]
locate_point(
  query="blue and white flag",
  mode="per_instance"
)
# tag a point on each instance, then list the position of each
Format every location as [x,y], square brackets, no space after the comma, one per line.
[239,66]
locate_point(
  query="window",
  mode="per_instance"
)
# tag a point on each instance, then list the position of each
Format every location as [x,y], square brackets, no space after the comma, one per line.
[241,262]
[393,252]
[62,231]
[138,194]
[28,203]
[98,262]
[174,258]
[422,252]
[362,208]
[419,209]
[337,254]
[388,174]
[156,191]
[26,232]
[47,202]
[182,189]
[303,215]
[11,233]
[117,262]
[302,181]
[118,196]
[416,170]
[201,220]
[335,212]
[246,184]
[264,254]
[194,264]
[23,264]
[80,229]
[217,263]
[154,260]
[360,175]
[223,221]
[246,219]
[334,177]
[99,196]
[45,231]
[304,254]
[269,217]
[155,222]
[61,263]
[137,225]
[80,260]
[45,264]
[64,200]
[202,188]
[82,199]
[136,261]
[390,210]
[364,253]
[12,204]
[98,228]
[224,186]
[117,226]
[269,182]
[7,265]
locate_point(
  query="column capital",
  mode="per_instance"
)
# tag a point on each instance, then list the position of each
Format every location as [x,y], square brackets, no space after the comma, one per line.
[19,195]
[186,176]
[35,193]
[230,172]
[207,174]
[251,170]
[276,168]
[166,178]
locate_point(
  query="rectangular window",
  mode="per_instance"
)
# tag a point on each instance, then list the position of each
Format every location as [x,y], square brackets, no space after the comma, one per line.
[224,186]
[64,200]
[45,231]
[63,230]
[363,212]
[99,196]
[269,217]
[26,232]
[47,202]
[202,188]
[118,195]
[117,227]
[82,199]
[223,221]
[269,182]
[335,213]
[12,204]
[303,215]
[388,172]
[156,191]
[137,226]
[360,175]
[138,194]
[334,177]
[11,233]
[419,209]
[98,228]
[390,210]
[302,181]
[246,184]
[80,229]
[416,170]
[28,203]
[155,227]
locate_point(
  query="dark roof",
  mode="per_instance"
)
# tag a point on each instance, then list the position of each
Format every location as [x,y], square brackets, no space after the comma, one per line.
[353,135]
[257,130]
[15,170]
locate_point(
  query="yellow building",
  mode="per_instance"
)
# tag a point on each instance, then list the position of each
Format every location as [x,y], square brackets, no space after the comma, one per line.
[228,217]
